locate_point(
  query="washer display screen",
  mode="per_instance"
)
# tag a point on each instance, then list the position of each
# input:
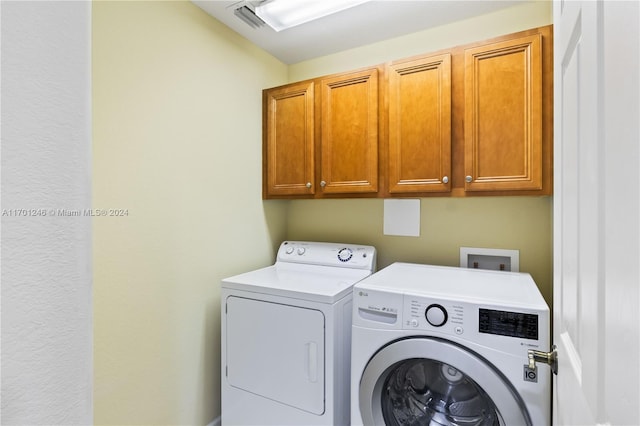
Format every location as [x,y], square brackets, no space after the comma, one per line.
[504,323]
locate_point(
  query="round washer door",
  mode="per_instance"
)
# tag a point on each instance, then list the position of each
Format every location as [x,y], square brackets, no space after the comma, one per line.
[429,381]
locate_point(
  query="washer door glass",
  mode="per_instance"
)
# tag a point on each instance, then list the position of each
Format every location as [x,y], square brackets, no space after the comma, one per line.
[429,392]
[431,381]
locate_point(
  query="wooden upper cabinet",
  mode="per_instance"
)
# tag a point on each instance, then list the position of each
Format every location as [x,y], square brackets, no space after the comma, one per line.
[503,147]
[419,132]
[348,148]
[288,139]
[473,120]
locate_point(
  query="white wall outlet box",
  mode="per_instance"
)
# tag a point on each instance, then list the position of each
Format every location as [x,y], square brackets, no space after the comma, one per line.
[489,258]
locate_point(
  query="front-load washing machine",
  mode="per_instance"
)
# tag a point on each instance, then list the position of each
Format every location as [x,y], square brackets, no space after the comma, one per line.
[286,336]
[435,345]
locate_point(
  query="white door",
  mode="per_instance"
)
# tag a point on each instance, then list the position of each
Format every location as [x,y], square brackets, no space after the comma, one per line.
[596,213]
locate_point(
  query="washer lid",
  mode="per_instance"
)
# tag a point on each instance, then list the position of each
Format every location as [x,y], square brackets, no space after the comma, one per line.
[299,281]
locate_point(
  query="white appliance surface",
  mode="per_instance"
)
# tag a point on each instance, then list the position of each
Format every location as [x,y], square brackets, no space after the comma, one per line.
[261,361]
[434,325]
[322,272]
[286,336]
[498,287]
[309,282]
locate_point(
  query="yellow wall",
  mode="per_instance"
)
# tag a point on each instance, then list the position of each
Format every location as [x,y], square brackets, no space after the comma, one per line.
[176,142]
[522,223]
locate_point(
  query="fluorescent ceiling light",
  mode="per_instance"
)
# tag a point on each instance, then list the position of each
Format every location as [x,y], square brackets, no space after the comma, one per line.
[283,14]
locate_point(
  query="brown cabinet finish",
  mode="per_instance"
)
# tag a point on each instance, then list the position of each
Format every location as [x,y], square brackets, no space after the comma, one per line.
[288,140]
[473,120]
[349,133]
[503,115]
[419,127]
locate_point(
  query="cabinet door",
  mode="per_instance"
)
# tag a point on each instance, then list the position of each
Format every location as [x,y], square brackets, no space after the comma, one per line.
[503,116]
[349,133]
[419,150]
[289,140]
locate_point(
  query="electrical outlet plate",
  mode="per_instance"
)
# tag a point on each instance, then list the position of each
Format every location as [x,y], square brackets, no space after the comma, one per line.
[489,258]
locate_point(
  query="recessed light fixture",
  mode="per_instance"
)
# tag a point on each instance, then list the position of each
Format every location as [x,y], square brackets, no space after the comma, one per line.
[283,14]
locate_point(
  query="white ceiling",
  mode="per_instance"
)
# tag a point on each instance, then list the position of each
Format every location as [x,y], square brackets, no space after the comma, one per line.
[364,24]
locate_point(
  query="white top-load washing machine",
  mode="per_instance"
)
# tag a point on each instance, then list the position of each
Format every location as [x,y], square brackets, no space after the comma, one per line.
[436,345]
[286,336]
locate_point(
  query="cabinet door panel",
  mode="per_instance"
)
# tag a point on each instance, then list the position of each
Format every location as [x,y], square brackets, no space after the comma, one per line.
[420,125]
[290,140]
[503,116]
[349,133]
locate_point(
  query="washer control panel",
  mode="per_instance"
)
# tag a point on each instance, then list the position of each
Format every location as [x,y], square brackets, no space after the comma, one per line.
[485,324]
[328,254]
[431,314]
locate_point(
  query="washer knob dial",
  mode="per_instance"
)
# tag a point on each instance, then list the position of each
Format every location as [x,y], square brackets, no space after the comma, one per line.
[345,254]
[436,315]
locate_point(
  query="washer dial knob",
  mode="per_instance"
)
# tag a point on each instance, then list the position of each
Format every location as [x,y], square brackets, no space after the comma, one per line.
[436,315]
[345,254]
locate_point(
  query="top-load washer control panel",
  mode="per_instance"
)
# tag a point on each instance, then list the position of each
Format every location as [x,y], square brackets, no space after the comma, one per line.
[328,254]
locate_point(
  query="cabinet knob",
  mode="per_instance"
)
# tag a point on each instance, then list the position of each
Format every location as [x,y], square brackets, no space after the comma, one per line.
[323,183]
[308,185]
[445,179]
[468,179]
